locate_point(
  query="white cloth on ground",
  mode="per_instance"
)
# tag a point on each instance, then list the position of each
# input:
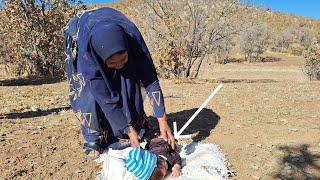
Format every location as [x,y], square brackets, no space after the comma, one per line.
[199,161]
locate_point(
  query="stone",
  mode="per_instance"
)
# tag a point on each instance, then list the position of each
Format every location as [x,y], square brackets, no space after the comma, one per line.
[40,127]
[293,129]
[259,145]
[255,177]
[284,121]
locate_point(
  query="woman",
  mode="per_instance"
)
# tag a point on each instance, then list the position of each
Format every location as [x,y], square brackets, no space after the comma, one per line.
[107,62]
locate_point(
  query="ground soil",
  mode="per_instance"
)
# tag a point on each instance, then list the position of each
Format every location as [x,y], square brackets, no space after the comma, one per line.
[265,119]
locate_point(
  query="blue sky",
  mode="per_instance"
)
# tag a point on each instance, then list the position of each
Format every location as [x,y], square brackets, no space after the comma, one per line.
[308,8]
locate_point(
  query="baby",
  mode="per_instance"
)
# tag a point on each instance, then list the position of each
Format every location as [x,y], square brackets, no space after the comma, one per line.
[167,158]
[154,162]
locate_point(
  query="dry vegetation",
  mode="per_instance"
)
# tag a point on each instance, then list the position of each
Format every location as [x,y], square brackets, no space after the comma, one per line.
[180,34]
[32,34]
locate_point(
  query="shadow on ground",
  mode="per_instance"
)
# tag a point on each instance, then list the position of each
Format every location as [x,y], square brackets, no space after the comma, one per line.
[32,114]
[263,59]
[270,59]
[29,81]
[201,125]
[298,163]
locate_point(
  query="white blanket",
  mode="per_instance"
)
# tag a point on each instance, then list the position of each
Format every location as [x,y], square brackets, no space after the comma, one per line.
[199,162]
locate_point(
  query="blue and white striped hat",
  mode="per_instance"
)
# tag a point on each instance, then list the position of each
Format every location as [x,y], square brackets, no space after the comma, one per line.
[141,163]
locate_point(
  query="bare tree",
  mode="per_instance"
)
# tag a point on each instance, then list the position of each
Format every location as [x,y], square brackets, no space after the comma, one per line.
[222,49]
[312,65]
[33,35]
[254,41]
[184,32]
[293,39]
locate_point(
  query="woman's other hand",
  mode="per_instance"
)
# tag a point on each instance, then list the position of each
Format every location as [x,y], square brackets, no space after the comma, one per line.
[134,138]
[166,132]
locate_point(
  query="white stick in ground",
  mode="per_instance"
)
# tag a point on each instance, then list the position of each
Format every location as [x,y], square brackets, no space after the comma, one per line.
[177,134]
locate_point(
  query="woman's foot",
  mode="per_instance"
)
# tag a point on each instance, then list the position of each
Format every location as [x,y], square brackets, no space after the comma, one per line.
[93,154]
[92,150]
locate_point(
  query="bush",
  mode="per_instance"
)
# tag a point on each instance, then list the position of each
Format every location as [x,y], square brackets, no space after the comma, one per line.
[296,49]
[222,50]
[294,39]
[254,41]
[181,34]
[312,65]
[32,36]
[281,41]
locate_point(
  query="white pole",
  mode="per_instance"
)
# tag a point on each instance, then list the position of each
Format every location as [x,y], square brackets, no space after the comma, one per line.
[200,108]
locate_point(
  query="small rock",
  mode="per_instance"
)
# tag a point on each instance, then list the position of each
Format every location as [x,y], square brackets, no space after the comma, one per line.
[63,163]
[3,134]
[284,121]
[34,132]
[288,171]
[259,145]
[78,171]
[33,108]
[238,126]
[255,136]
[53,148]
[232,173]
[255,177]
[52,138]
[293,129]
[40,127]
[287,167]
[255,167]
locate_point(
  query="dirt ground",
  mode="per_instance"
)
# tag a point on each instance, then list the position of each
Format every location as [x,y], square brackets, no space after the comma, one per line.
[265,119]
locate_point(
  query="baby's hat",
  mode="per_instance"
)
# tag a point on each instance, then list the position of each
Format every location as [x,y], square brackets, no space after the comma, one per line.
[141,163]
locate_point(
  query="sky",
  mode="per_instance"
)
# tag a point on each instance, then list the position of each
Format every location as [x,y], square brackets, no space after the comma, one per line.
[307,8]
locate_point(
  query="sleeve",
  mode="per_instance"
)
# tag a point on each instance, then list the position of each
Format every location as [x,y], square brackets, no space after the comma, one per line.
[176,158]
[107,99]
[148,76]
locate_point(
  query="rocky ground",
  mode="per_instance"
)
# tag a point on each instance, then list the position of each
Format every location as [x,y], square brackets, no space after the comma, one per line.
[265,119]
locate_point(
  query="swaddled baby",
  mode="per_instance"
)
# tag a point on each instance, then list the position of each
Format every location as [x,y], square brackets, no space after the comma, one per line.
[154,162]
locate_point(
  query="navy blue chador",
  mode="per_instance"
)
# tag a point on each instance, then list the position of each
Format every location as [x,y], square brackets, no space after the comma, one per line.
[98,93]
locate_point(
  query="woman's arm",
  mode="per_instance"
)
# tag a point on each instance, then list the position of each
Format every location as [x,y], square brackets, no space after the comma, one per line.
[148,76]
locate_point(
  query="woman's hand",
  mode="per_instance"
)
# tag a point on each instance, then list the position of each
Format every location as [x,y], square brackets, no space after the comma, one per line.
[134,138]
[166,132]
